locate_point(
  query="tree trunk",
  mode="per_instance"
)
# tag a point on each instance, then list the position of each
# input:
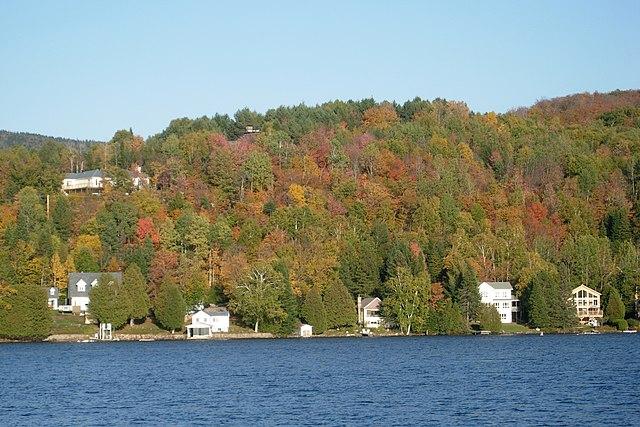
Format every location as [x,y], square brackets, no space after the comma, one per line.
[172,331]
[409,329]
[255,329]
[131,322]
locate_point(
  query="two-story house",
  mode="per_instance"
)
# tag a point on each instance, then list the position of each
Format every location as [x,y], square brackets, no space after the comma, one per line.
[206,322]
[498,294]
[80,284]
[369,312]
[89,181]
[587,304]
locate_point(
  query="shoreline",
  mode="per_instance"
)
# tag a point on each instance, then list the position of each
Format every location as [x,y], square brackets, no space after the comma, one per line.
[81,338]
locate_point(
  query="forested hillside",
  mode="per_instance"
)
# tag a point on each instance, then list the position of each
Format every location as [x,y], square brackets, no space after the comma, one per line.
[33,140]
[414,202]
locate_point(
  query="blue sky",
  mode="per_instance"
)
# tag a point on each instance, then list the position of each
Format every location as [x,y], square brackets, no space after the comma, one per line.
[84,69]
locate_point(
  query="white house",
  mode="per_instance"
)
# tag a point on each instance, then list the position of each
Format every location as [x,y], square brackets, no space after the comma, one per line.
[306,330]
[369,312]
[52,298]
[587,304]
[138,178]
[206,322]
[498,294]
[92,180]
[80,284]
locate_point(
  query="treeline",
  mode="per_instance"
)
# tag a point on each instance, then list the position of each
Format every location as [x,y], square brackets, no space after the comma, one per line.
[414,202]
[34,140]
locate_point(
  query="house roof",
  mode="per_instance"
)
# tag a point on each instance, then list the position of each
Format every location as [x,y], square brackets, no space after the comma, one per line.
[84,175]
[88,278]
[216,311]
[55,292]
[366,302]
[500,285]
[586,288]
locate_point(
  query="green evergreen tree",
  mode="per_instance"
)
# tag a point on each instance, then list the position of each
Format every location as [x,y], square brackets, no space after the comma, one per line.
[136,289]
[446,319]
[360,265]
[561,312]
[24,314]
[288,302]
[170,308]
[31,214]
[339,305]
[109,301]
[461,283]
[61,217]
[489,318]
[85,262]
[614,309]
[617,226]
[313,310]
[536,305]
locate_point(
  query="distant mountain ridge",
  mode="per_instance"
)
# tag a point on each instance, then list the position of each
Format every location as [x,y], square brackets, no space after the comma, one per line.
[581,108]
[33,140]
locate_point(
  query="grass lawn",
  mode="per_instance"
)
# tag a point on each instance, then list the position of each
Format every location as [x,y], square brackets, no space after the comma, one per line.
[70,324]
[237,329]
[146,328]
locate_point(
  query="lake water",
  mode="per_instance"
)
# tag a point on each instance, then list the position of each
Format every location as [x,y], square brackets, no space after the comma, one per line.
[560,380]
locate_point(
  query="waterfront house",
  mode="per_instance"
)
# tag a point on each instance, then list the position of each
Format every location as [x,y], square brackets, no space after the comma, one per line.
[80,284]
[206,322]
[369,312]
[306,330]
[498,294]
[52,298]
[587,304]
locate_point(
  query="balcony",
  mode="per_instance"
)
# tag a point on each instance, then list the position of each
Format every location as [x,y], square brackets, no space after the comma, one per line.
[589,312]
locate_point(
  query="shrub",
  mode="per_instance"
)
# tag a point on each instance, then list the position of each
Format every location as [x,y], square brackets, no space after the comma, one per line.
[620,324]
[633,323]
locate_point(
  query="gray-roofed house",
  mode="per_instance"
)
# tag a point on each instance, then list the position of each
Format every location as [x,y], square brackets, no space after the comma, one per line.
[92,180]
[369,312]
[498,294]
[52,298]
[80,284]
[208,321]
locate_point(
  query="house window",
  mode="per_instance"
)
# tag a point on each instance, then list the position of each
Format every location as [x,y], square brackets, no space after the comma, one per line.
[82,287]
[52,292]
[503,316]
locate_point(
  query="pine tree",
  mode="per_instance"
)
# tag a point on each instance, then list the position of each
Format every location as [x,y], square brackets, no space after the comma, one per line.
[313,310]
[489,318]
[109,301]
[169,307]
[614,309]
[537,308]
[136,289]
[24,314]
[61,217]
[339,306]
[85,262]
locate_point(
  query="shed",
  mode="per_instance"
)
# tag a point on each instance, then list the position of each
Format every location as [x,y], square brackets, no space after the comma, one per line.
[306,330]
